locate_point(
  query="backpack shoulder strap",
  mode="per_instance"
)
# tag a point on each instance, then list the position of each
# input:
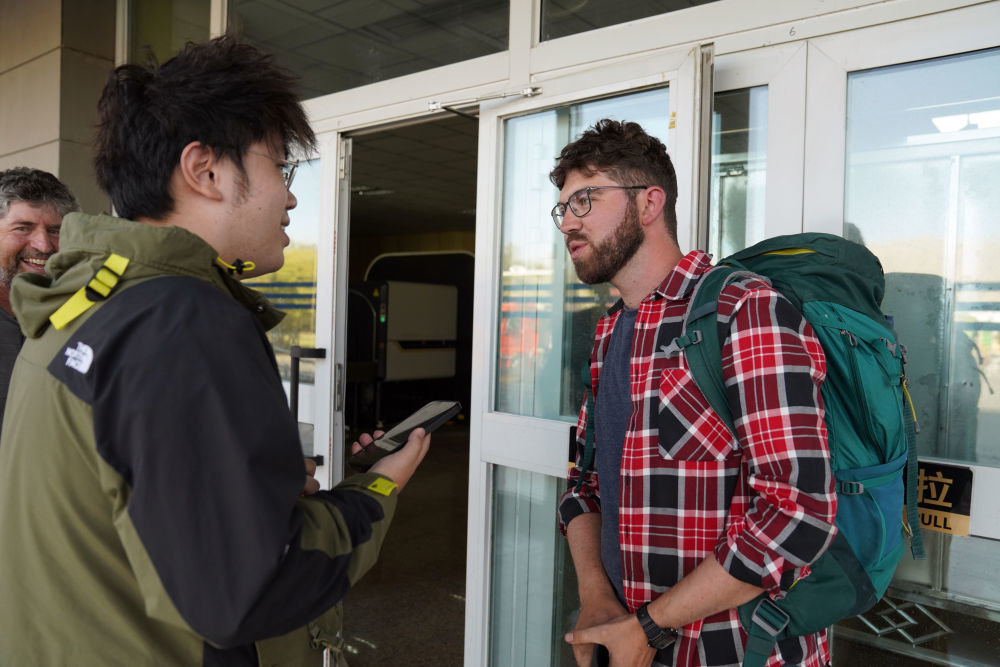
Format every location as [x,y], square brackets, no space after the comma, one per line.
[702,348]
[699,337]
[587,460]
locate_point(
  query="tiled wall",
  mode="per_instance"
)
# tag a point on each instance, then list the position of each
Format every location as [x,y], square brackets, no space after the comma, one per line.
[53,62]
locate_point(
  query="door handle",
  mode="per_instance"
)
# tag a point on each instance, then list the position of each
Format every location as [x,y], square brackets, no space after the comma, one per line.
[296,354]
[340,383]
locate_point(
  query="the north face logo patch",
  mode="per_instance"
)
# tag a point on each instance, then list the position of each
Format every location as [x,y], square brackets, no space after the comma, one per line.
[79,359]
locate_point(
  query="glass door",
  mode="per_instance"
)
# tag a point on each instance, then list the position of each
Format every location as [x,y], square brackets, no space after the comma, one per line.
[757,147]
[547,320]
[299,343]
[916,147]
[535,325]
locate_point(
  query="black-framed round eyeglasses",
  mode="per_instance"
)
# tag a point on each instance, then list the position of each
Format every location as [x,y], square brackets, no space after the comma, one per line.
[579,202]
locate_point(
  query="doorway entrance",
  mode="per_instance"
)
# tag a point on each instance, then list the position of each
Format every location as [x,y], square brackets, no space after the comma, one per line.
[409,341]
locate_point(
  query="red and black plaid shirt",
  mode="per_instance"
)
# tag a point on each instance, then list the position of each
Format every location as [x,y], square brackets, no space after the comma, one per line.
[764,502]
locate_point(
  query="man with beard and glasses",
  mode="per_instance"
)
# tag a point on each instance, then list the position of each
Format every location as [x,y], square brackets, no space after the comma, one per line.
[32,205]
[697,521]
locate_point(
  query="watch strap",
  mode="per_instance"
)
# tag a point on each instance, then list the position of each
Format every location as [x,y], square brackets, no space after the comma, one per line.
[656,637]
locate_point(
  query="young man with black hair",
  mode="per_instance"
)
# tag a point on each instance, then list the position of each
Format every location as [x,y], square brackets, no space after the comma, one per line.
[32,205]
[678,522]
[152,503]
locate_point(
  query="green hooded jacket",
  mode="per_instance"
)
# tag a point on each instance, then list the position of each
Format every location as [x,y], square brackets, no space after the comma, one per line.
[151,473]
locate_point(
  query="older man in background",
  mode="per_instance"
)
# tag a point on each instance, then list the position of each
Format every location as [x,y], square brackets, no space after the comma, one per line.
[32,205]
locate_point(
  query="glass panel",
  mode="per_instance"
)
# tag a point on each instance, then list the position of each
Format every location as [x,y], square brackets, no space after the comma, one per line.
[739,168]
[547,316]
[339,45]
[569,17]
[533,585]
[923,162]
[163,27]
[292,288]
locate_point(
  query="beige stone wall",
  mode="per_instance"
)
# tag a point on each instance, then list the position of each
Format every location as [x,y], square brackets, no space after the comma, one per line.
[54,57]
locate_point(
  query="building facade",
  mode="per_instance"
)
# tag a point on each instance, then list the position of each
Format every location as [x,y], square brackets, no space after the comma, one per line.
[438,122]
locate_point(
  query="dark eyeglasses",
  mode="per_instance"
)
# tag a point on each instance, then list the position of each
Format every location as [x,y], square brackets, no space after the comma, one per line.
[288,167]
[579,202]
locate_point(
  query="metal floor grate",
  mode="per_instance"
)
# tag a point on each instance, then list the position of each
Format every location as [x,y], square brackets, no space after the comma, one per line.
[907,619]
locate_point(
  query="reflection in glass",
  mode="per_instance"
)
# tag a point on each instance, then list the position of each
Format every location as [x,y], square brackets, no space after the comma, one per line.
[292,288]
[547,316]
[569,17]
[533,584]
[334,46]
[161,28]
[923,163]
[739,168]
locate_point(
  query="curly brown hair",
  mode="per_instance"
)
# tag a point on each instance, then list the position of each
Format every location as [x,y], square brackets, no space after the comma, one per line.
[626,153]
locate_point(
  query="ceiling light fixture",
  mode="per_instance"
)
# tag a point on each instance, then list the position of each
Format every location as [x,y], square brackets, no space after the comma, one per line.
[953,123]
[371,191]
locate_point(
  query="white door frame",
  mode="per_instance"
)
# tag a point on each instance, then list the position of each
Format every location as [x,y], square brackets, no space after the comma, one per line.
[831,58]
[528,443]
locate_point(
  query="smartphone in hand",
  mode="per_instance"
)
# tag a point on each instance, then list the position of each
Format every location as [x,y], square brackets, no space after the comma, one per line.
[429,417]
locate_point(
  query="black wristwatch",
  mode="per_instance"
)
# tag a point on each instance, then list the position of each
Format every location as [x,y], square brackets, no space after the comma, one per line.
[657,637]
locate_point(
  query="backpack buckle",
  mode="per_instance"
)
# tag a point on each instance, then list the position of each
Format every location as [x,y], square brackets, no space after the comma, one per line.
[691,338]
[849,488]
[769,617]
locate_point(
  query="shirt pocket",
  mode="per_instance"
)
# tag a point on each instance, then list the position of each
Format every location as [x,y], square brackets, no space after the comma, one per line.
[687,428]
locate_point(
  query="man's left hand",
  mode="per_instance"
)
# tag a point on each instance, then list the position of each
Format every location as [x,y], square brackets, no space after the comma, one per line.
[624,639]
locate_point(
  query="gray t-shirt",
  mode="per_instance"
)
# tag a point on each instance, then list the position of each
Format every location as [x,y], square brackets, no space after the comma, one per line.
[10,344]
[611,415]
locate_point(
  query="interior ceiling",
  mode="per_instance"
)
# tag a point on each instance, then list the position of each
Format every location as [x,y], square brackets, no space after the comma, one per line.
[415,179]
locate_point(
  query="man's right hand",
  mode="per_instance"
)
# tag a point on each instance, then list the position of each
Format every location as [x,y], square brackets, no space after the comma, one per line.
[400,466]
[598,611]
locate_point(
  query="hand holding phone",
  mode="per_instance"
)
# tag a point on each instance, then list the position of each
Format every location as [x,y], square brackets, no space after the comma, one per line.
[429,417]
[370,453]
[399,467]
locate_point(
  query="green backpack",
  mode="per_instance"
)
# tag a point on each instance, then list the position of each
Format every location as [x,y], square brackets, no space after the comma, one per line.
[837,285]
